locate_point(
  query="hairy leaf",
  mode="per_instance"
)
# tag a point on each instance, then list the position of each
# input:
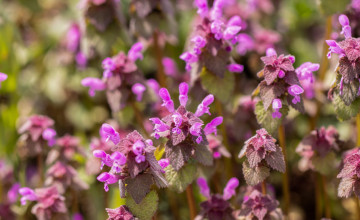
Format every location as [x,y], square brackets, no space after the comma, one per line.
[343,111]
[179,180]
[203,155]
[139,186]
[146,209]
[276,160]
[270,92]
[178,154]
[346,187]
[324,165]
[255,175]
[349,92]
[221,88]
[265,118]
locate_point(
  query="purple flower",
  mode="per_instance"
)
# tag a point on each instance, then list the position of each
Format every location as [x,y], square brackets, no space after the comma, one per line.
[160,128]
[107,179]
[48,201]
[135,52]
[211,126]
[217,29]
[203,107]
[346,29]
[138,89]
[121,213]
[13,193]
[183,90]
[73,37]
[306,77]
[276,105]
[199,43]
[169,66]
[202,6]
[231,31]
[275,64]
[154,85]
[229,190]
[164,163]
[167,101]
[108,132]
[317,145]
[334,48]
[271,52]
[49,134]
[77,216]
[236,68]
[94,84]
[195,130]
[245,44]
[3,77]
[204,188]
[36,125]
[258,205]
[189,58]
[27,195]
[81,60]
[295,91]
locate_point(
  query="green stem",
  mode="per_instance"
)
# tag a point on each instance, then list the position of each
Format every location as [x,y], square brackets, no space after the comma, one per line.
[263,187]
[285,179]
[161,77]
[139,118]
[191,202]
[326,198]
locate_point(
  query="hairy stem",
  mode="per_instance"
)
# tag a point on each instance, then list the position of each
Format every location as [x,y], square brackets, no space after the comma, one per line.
[40,167]
[285,180]
[263,187]
[225,140]
[358,129]
[325,197]
[322,71]
[159,56]
[139,118]
[191,202]
[318,207]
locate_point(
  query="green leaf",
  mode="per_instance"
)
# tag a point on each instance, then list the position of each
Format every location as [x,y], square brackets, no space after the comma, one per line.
[146,209]
[324,165]
[179,180]
[221,88]
[265,119]
[330,7]
[343,111]
[349,92]
[203,155]
[255,175]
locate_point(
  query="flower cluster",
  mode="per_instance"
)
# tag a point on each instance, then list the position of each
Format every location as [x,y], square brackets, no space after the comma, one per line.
[36,130]
[120,73]
[281,84]
[260,206]
[350,175]
[217,207]
[261,153]
[213,38]
[132,163]
[347,82]
[183,129]
[48,201]
[317,146]
[121,213]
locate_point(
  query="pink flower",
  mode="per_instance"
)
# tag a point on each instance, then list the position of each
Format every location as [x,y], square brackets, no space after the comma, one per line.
[121,213]
[135,52]
[138,89]
[94,84]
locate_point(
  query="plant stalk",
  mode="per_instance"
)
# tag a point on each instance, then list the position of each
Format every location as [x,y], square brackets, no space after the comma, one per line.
[326,198]
[40,167]
[191,201]
[139,118]
[357,204]
[318,207]
[358,129]
[285,179]
[161,77]
[263,187]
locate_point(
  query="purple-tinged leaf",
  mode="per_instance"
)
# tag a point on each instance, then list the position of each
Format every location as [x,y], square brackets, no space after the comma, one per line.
[255,175]
[346,187]
[276,160]
[139,186]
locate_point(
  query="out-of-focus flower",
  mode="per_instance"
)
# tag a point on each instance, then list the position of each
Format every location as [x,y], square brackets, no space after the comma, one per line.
[121,213]
[3,77]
